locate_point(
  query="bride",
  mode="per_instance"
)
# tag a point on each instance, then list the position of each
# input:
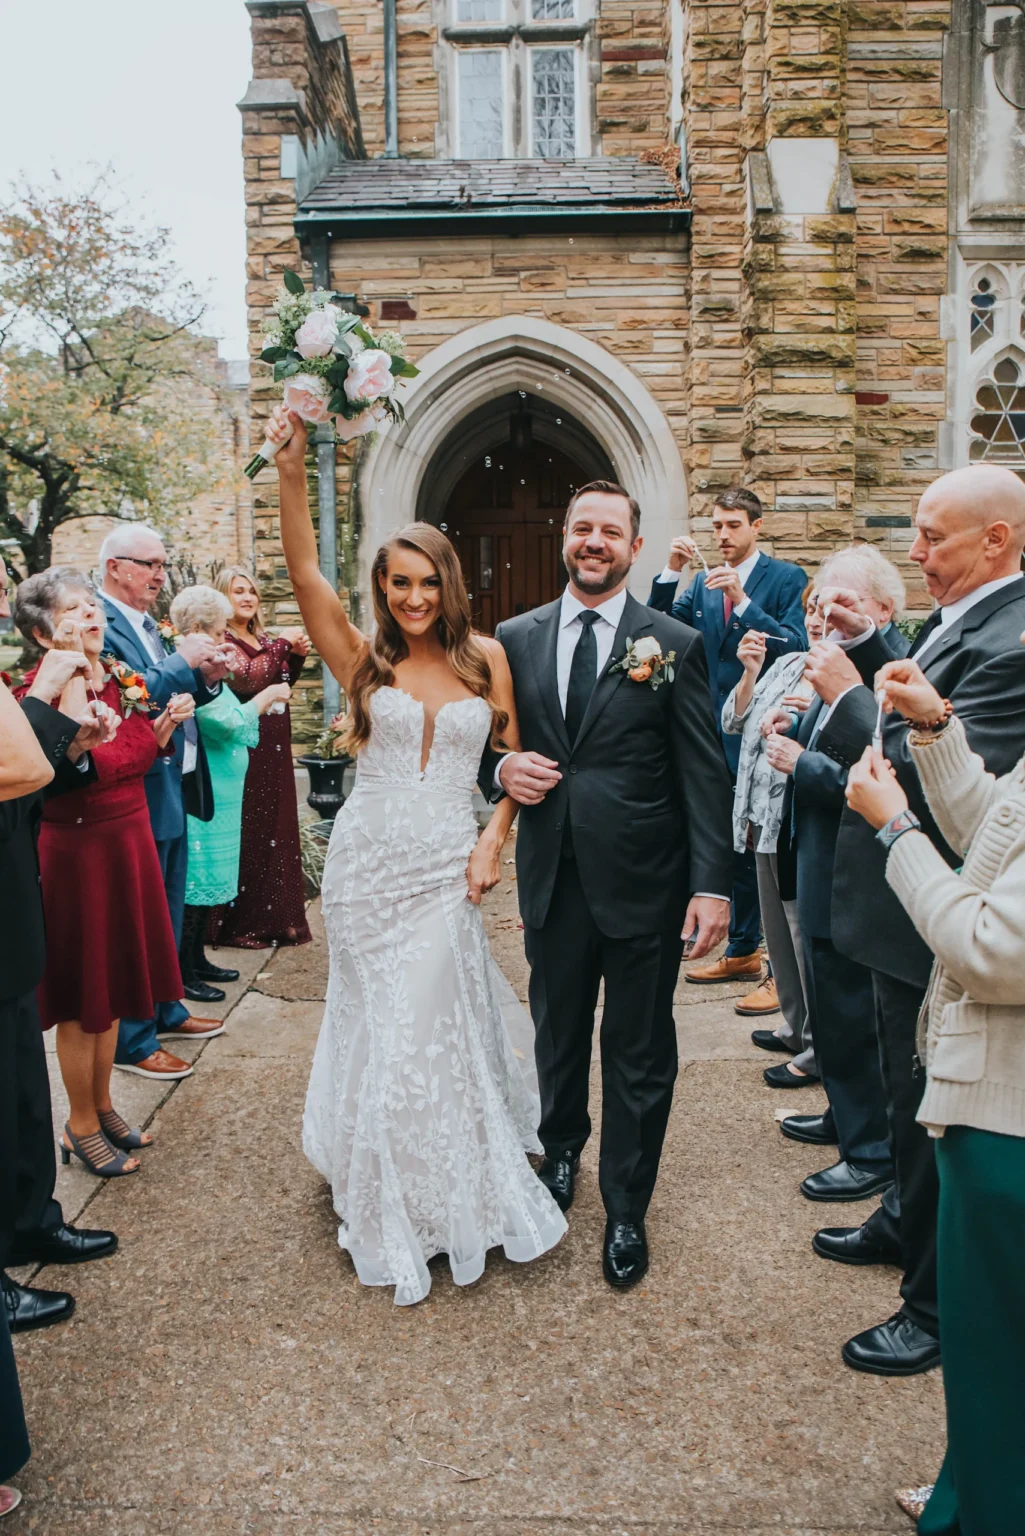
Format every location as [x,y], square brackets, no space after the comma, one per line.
[420,1109]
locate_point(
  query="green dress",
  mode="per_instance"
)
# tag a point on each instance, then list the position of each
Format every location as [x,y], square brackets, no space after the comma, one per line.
[228,728]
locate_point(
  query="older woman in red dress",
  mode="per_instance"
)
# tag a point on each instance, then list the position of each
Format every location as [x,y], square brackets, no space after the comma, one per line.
[270,907]
[110,946]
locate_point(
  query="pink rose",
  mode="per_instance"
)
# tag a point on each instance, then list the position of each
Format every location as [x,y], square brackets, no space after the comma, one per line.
[369,376]
[307,397]
[317,334]
[369,420]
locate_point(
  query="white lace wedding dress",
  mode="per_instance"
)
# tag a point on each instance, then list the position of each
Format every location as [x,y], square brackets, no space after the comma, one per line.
[422,1101]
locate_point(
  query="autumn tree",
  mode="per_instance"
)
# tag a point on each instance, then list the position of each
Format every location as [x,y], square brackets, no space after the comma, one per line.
[102,372]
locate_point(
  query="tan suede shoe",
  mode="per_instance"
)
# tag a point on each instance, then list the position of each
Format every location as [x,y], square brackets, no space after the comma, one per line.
[763,999]
[729,968]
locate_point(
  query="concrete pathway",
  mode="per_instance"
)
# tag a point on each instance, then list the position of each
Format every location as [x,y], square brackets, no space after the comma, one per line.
[225,1372]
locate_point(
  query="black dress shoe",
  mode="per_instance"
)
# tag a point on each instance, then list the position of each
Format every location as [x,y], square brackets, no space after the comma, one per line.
[28,1308]
[198,992]
[205,970]
[624,1258]
[896,1348]
[844,1181]
[782,1077]
[558,1174]
[65,1245]
[768,1040]
[814,1128]
[852,1245]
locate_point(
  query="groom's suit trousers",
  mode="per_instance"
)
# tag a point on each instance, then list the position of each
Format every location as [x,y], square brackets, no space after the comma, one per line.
[569,957]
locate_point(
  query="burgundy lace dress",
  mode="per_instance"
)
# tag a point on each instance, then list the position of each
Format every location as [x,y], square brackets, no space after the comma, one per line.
[270,907]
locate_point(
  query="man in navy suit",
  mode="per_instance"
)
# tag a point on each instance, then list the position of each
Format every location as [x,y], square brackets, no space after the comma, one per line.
[133,565]
[750,590]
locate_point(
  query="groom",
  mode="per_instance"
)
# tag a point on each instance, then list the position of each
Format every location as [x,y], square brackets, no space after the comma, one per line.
[624,845]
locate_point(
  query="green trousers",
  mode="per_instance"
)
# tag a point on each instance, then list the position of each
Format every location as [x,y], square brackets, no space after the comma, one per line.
[981,1268]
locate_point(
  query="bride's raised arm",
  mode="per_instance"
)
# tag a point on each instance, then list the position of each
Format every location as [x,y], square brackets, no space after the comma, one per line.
[333,633]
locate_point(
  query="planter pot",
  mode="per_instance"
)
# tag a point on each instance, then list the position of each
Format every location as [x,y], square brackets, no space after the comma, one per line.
[326,795]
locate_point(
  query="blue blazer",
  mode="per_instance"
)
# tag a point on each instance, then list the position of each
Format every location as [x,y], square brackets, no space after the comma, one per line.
[775,589]
[164,780]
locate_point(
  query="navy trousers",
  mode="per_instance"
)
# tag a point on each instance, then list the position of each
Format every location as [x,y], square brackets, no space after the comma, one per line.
[137,1038]
[745,912]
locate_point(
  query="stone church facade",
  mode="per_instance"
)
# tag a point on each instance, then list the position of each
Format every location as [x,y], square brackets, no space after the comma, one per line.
[689,245]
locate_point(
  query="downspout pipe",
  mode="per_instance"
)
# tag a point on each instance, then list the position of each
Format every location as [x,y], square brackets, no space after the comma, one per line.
[391,82]
[327,487]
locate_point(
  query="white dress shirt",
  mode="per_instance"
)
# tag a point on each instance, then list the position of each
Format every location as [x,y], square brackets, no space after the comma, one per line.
[152,643]
[570,629]
[744,570]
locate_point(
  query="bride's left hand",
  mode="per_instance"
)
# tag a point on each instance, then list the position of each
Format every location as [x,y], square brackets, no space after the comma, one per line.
[484,870]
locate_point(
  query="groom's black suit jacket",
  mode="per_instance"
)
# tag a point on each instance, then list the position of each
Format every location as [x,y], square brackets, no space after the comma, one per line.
[645,786]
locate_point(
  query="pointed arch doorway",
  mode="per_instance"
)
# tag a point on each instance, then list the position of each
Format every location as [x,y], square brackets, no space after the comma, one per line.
[499,488]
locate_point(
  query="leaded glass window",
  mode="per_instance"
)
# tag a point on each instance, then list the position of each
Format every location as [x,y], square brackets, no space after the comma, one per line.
[553,106]
[983,312]
[999,423]
[553,10]
[481,106]
[478,10]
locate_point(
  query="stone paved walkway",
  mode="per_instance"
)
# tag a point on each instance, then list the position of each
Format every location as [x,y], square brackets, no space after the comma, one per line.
[225,1373]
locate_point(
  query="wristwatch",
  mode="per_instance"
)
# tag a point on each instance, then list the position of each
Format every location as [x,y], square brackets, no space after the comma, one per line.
[907,821]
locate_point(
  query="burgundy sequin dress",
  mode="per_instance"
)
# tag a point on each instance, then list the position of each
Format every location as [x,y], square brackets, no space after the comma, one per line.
[270,907]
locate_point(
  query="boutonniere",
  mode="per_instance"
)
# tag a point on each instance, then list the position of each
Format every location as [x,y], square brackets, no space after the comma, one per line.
[645,663]
[169,636]
[132,686]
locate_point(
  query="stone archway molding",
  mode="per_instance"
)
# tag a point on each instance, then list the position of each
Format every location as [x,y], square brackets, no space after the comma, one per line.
[524,352]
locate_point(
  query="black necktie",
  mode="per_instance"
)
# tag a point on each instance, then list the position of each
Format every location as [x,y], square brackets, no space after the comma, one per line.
[583,674]
[930,626]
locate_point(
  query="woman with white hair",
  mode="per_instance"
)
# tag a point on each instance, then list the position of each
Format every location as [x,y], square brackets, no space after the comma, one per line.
[229,728]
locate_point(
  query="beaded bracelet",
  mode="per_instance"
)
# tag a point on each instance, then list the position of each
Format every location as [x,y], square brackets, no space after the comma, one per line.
[923,734]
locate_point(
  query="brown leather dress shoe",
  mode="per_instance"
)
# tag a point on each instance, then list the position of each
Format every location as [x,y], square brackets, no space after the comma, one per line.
[763,999]
[161,1066]
[729,968]
[194,1029]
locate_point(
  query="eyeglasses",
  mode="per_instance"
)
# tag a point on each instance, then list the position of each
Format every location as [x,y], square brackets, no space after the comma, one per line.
[152,565]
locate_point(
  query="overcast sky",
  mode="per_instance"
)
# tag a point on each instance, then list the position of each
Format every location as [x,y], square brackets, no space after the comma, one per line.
[150,90]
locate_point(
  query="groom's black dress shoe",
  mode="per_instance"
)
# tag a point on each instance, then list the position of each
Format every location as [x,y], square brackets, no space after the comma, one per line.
[818,1129]
[853,1245]
[768,1040]
[558,1174]
[845,1181]
[199,992]
[65,1245]
[624,1258]
[28,1308]
[205,970]
[897,1347]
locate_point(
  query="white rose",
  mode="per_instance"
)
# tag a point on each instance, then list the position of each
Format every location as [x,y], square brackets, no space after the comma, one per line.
[317,334]
[370,420]
[646,648]
[369,376]
[133,692]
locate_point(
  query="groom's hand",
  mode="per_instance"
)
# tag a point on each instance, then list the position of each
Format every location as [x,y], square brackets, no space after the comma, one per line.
[527,777]
[706,924]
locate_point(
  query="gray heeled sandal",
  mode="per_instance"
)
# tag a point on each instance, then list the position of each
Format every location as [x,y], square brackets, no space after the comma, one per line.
[119,1133]
[90,1151]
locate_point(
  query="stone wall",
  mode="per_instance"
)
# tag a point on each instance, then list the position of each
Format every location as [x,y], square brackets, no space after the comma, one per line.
[631,94]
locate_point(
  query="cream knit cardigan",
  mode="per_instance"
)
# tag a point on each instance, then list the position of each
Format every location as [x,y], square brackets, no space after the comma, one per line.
[972,1028]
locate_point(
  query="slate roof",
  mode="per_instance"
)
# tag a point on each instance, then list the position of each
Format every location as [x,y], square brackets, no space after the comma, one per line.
[411,187]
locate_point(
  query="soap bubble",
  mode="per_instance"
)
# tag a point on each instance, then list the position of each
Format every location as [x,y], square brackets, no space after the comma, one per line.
[444,527]
[487,461]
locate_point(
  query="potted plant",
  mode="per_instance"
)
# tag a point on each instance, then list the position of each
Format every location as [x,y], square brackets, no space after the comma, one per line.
[326,766]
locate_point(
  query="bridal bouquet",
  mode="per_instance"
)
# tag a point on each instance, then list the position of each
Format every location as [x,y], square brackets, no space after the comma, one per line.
[332,366]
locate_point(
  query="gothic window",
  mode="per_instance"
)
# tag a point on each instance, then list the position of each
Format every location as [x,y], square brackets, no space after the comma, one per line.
[554,109]
[998,424]
[983,308]
[517,68]
[481,103]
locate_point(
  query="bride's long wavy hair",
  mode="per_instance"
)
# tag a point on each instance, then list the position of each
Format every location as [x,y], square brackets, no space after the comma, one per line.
[466,656]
